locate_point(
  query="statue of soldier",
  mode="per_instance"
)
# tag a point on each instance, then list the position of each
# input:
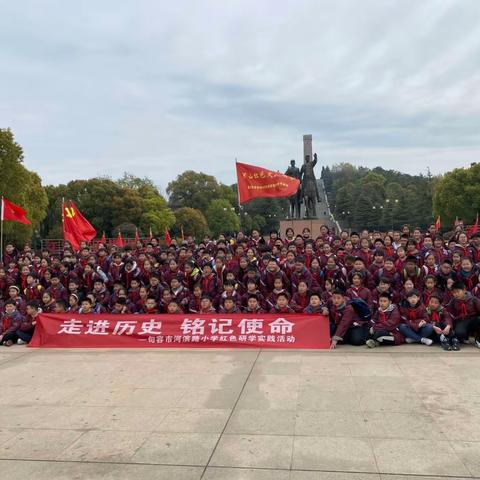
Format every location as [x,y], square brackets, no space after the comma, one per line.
[310,193]
[295,200]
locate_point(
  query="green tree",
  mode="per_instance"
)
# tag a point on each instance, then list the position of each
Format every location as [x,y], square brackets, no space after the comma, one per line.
[221,217]
[192,221]
[457,193]
[21,186]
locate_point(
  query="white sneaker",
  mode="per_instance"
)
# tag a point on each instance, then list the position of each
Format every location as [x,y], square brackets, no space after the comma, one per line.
[20,342]
[426,341]
[410,340]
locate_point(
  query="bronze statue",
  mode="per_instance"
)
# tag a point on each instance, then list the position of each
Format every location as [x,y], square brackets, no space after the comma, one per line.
[295,200]
[309,195]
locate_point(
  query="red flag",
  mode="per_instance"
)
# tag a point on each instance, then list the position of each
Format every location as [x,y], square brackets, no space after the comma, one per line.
[137,238]
[473,229]
[119,240]
[438,225]
[257,182]
[13,213]
[103,240]
[76,228]
[168,238]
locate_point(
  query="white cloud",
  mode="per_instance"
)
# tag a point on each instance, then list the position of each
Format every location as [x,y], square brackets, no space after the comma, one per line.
[159,87]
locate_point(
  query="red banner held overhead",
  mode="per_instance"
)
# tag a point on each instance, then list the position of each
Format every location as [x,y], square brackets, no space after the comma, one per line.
[257,182]
[181,331]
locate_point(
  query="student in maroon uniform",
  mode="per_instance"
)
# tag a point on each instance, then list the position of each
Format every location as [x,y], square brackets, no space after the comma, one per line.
[27,326]
[442,323]
[316,305]
[282,306]
[465,310]
[358,290]
[253,306]
[416,327]
[301,298]
[10,323]
[345,324]
[468,273]
[384,325]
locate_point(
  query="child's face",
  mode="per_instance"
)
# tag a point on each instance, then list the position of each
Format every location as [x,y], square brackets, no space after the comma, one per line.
[408,285]
[357,281]
[459,294]
[430,284]
[434,304]
[150,304]
[206,304]
[466,266]
[282,301]
[278,284]
[252,303]
[337,299]
[383,286]
[314,301]
[302,287]
[413,300]
[228,304]
[383,303]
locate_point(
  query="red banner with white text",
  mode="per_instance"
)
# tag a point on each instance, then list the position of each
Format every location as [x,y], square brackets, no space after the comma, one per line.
[181,331]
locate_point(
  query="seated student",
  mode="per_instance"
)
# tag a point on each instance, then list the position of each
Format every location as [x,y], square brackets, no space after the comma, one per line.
[329,288]
[166,299]
[229,291]
[408,286]
[174,308]
[253,305]
[345,324]
[252,289]
[11,321]
[209,281]
[206,305]
[48,302]
[316,305]
[60,306]
[442,323]
[282,305]
[229,306]
[120,306]
[468,273]
[195,299]
[278,288]
[384,324]
[358,290]
[27,326]
[416,327]
[73,303]
[150,307]
[465,310]
[86,307]
[301,298]
[430,289]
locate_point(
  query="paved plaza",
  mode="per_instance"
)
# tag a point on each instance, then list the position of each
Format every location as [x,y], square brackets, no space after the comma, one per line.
[399,413]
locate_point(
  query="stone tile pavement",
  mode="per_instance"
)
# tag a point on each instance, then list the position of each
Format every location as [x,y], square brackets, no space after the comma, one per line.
[409,412]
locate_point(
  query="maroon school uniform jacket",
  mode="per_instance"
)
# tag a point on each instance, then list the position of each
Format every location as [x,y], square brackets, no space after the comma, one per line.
[299,302]
[27,324]
[387,321]
[343,318]
[363,293]
[464,309]
[283,310]
[376,293]
[10,323]
[298,277]
[439,317]
[412,316]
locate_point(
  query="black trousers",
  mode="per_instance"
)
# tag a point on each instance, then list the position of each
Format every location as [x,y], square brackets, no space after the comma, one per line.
[10,336]
[357,335]
[464,328]
[383,333]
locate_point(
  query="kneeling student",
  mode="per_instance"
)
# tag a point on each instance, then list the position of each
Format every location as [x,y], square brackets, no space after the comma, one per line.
[442,323]
[385,322]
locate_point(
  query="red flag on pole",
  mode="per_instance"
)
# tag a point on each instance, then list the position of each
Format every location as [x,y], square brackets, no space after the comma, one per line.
[119,240]
[137,238]
[168,238]
[473,229]
[438,225]
[76,228]
[13,213]
[257,182]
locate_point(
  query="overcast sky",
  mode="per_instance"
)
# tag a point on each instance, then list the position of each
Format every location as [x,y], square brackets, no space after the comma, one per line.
[157,87]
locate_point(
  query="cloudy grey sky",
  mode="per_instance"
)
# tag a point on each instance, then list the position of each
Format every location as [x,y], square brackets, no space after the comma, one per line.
[155,87]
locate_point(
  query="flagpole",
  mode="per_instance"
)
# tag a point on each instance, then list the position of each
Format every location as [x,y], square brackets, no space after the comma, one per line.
[1,231]
[238,199]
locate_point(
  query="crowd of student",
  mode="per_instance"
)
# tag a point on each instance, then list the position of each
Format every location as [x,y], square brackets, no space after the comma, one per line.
[377,289]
